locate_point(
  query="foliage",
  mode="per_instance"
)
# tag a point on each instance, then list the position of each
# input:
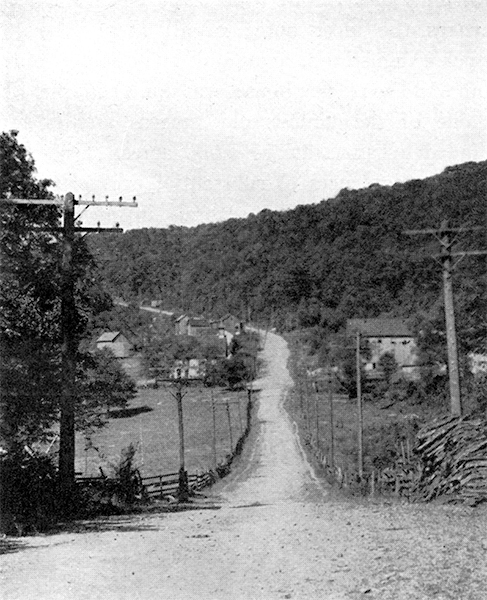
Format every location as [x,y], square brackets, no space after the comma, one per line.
[161,353]
[29,491]
[384,444]
[315,265]
[30,306]
[128,483]
[388,365]
[475,398]
[102,385]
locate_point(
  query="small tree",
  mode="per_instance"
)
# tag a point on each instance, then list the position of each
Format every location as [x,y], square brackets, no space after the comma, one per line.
[103,385]
[388,365]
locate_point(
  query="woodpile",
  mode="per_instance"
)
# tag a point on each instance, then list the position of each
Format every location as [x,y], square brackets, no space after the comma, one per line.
[453,456]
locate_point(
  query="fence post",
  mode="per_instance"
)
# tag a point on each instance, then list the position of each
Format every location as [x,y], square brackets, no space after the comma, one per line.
[229,426]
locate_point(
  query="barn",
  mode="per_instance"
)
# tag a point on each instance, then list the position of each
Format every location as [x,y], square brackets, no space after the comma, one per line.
[116,342]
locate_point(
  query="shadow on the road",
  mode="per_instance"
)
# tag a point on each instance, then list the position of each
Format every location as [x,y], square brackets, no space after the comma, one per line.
[124,413]
[121,523]
[252,505]
[8,545]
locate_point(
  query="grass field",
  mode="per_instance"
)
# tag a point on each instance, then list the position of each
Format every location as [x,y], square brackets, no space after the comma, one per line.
[150,423]
[383,430]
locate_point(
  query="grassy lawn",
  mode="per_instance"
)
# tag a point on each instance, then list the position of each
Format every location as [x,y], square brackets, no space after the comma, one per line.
[381,439]
[151,425]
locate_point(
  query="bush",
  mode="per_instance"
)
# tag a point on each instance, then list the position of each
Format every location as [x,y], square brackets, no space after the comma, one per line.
[385,444]
[111,495]
[29,496]
[128,483]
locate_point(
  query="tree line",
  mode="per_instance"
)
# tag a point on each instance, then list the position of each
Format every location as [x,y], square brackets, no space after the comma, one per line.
[317,265]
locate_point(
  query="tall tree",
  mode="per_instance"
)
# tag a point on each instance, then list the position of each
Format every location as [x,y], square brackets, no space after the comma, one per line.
[30,309]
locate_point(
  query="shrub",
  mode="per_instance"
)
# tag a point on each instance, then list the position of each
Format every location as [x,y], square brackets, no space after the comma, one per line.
[29,498]
[128,483]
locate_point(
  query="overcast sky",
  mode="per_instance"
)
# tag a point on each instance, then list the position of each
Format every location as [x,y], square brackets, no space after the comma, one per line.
[207,110]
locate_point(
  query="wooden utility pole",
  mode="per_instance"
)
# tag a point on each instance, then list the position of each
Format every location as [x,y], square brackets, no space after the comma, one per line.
[213,411]
[69,342]
[445,235]
[68,359]
[360,423]
[317,416]
[451,333]
[332,423]
[179,382]
[183,488]
[69,346]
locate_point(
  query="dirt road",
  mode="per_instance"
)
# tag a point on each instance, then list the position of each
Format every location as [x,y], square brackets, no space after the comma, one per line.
[270,531]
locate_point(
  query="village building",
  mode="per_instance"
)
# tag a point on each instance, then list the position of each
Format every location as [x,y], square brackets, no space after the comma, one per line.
[387,335]
[195,326]
[116,342]
[478,363]
[228,323]
[194,368]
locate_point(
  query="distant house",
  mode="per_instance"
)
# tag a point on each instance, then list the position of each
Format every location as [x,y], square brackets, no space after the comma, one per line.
[116,342]
[189,369]
[195,326]
[227,323]
[387,336]
[181,325]
[478,363]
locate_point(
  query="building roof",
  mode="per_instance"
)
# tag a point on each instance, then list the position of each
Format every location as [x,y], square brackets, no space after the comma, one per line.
[108,336]
[380,327]
[198,322]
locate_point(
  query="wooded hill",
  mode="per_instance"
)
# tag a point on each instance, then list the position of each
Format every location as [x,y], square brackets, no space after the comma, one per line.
[317,264]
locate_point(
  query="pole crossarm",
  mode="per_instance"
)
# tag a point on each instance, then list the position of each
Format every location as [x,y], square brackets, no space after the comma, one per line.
[441,230]
[462,254]
[98,229]
[81,229]
[58,201]
[132,204]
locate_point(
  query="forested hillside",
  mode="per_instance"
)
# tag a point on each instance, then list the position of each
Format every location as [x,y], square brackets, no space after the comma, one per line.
[317,264]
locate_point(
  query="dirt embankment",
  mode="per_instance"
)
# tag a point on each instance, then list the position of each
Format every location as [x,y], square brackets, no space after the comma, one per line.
[268,531]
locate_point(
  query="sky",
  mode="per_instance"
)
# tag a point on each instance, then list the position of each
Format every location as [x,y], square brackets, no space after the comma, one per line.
[208,110]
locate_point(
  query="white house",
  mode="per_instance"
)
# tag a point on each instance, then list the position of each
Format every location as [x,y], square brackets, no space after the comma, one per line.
[386,335]
[116,342]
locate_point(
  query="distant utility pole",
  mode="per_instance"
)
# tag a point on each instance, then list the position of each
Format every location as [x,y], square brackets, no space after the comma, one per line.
[332,421]
[360,423]
[179,383]
[445,235]
[68,326]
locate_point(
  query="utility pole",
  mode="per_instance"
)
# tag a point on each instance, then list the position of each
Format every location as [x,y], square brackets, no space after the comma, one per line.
[213,412]
[317,417]
[69,342]
[444,234]
[332,422]
[360,432]
[68,359]
[179,382]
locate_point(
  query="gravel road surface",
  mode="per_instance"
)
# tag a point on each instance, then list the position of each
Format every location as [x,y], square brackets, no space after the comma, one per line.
[268,531]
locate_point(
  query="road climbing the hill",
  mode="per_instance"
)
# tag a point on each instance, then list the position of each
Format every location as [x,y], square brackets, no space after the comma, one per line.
[270,530]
